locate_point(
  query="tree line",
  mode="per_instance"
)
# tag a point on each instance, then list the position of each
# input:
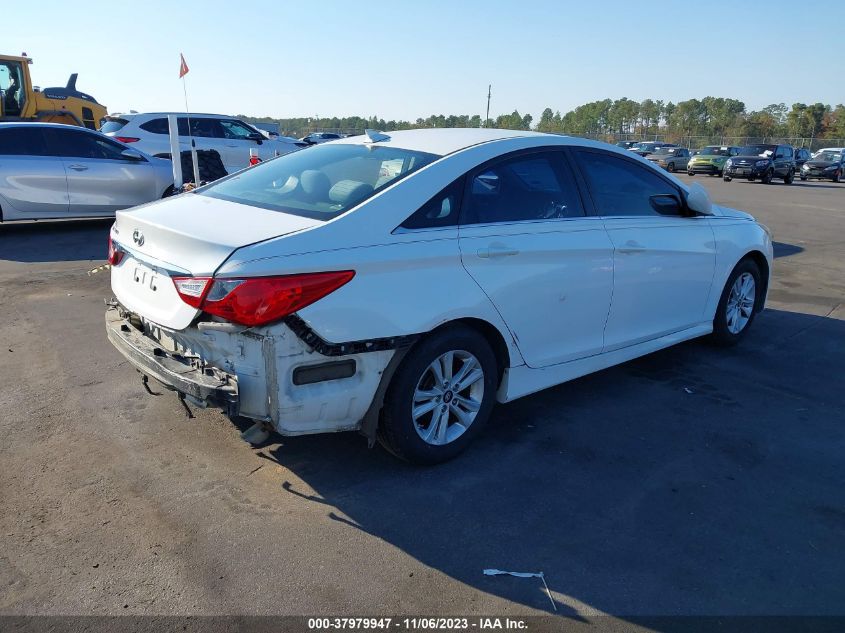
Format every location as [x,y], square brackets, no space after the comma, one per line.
[711,116]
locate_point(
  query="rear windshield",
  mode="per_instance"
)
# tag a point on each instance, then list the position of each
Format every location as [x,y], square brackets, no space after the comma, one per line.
[111,124]
[320,182]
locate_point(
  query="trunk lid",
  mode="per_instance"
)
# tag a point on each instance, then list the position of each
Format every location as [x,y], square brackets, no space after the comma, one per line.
[188,235]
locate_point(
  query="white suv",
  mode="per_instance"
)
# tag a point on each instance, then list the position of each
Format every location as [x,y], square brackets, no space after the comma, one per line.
[231,138]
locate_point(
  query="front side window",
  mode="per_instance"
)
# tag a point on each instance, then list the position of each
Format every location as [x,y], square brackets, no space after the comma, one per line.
[536,186]
[621,187]
[22,141]
[236,130]
[322,182]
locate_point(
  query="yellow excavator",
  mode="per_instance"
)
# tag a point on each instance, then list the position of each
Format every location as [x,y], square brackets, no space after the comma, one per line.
[21,101]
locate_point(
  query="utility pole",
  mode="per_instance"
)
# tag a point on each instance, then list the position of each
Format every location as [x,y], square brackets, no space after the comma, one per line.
[487,118]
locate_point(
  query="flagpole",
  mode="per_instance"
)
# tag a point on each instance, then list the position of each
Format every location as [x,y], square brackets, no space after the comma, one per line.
[190,133]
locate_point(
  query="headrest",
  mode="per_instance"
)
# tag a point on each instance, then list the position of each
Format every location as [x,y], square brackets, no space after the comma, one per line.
[349,192]
[314,182]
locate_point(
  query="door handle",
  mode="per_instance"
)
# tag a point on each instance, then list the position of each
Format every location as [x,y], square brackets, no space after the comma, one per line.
[631,247]
[78,167]
[496,250]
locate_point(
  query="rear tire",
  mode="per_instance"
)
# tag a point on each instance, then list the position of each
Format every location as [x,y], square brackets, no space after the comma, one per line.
[670,168]
[740,302]
[790,176]
[422,384]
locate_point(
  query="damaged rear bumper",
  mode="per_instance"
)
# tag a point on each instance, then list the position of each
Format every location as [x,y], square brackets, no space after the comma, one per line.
[203,386]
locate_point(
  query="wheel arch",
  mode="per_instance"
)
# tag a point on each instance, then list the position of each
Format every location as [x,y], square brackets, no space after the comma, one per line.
[492,335]
[765,271]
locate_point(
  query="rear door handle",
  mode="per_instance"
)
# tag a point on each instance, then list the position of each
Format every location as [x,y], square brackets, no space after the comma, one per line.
[496,250]
[631,247]
[78,167]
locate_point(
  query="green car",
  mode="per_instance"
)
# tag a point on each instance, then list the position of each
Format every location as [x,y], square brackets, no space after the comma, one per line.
[711,160]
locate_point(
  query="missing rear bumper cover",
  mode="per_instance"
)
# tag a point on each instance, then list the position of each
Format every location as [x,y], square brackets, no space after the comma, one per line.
[315,342]
[334,370]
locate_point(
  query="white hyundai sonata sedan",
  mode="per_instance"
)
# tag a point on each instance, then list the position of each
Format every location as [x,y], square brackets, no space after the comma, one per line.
[399,284]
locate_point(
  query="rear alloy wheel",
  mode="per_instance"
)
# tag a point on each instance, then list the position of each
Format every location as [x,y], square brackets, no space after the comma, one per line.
[739,303]
[790,176]
[440,397]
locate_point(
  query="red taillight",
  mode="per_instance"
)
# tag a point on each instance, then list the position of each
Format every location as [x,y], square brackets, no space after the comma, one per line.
[255,301]
[115,253]
[127,139]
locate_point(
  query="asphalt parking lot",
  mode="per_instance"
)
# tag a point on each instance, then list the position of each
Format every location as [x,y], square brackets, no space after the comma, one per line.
[692,481]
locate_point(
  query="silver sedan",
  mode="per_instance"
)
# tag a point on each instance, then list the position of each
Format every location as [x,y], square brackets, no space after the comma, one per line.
[51,171]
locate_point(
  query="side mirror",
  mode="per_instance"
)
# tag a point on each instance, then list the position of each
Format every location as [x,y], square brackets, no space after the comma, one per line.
[666,204]
[486,183]
[698,200]
[131,154]
[258,137]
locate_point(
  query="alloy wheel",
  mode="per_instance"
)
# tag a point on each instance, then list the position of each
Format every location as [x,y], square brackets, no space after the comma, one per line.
[447,397]
[741,300]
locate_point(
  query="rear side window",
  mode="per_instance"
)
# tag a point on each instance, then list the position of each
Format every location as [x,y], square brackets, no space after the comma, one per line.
[73,144]
[536,186]
[442,210]
[156,126]
[22,141]
[621,187]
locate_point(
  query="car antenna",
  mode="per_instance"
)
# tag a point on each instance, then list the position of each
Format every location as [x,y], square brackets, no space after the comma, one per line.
[375,136]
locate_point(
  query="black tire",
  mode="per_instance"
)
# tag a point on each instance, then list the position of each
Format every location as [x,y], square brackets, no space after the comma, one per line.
[397,431]
[727,178]
[670,168]
[722,334]
[802,177]
[690,173]
[790,176]
[169,191]
[837,176]
[766,178]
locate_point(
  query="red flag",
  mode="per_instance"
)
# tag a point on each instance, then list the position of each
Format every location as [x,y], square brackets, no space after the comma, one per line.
[183,67]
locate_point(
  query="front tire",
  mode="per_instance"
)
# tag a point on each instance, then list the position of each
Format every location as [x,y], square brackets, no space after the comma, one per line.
[803,178]
[790,176]
[739,304]
[440,397]
[837,176]
[670,168]
[727,178]
[766,178]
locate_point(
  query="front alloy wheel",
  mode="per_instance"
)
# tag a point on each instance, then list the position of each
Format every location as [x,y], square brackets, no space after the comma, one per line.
[738,304]
[741,302]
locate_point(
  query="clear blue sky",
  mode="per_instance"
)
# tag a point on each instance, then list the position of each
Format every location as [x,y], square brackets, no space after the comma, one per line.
[411,59]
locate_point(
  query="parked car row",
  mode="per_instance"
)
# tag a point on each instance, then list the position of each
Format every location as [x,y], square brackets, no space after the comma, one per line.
[764,162]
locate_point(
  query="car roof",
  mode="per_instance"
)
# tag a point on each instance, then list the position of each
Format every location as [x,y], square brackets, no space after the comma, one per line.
[62,126]
[831,149]
[131,115]
[443,141]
